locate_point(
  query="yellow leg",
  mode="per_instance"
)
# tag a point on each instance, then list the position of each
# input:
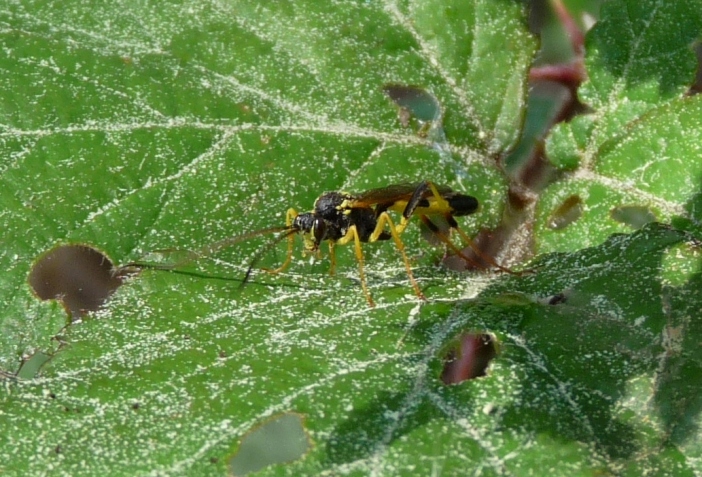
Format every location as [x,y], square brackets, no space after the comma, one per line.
[352,234]
[444,204]
[289,217]
[395,231]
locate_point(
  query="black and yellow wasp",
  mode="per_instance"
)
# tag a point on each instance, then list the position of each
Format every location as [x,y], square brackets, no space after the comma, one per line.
[340,218]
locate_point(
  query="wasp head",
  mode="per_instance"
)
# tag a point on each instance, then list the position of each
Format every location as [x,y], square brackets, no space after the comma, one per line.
[313,229]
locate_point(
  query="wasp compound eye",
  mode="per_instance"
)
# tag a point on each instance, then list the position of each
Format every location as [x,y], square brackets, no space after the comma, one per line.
[319,230]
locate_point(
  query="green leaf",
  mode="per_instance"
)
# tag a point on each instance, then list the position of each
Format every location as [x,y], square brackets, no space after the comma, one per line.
[640,147]
[135,128]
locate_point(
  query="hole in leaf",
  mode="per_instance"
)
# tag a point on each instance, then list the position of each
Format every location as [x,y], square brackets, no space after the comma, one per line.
[413,101]
[635,216]
[77,275]
[568,212]
[278,440]
[468,357]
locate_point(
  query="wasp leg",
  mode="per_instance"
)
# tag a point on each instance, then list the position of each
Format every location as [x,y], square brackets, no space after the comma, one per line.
[395,231]
[289,217]
[352,234]
[446,240]
[451,221]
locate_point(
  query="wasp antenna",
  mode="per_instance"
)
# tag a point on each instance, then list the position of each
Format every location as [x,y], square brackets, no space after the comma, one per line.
[136,266]
[195,255]
[227,242]
[287,234]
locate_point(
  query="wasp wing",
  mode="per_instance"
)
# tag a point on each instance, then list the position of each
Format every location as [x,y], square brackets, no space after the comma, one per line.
[391,195]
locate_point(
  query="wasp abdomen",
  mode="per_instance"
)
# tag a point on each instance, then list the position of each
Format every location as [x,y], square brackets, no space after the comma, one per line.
[462,204]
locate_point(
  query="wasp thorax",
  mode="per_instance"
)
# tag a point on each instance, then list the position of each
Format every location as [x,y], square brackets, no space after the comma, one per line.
[329,206]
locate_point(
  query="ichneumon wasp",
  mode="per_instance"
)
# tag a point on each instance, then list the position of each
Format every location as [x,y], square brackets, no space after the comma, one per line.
[340,218]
